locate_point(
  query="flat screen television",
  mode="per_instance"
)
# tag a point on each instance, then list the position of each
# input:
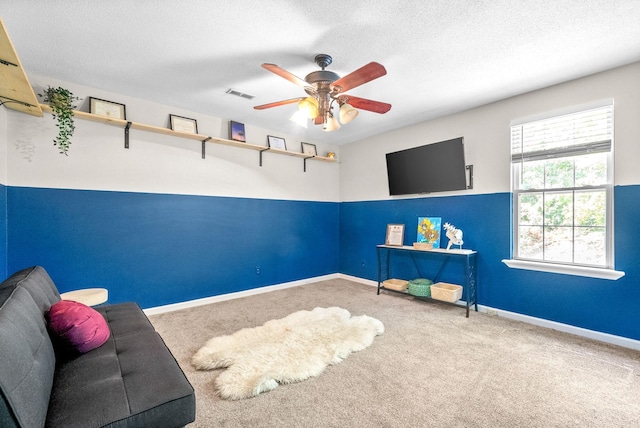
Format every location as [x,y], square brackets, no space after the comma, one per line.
[436,167]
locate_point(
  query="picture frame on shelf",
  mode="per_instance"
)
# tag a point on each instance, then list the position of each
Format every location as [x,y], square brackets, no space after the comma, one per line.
[395,235]
[276,142]
[309,149]
[236,131]
[106,108]
[183,124]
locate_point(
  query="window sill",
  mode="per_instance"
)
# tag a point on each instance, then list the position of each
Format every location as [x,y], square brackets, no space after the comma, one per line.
[565,269]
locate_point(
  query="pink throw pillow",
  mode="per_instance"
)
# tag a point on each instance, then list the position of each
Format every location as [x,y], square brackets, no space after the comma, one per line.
[77,326]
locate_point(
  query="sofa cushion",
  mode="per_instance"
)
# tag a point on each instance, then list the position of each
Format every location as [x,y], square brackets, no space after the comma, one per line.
[27,361]
[131,380]
[76,326]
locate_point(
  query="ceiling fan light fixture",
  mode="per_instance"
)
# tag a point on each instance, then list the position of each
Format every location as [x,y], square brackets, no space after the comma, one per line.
[347,113]
[330,124]
[309,106]
[299,117]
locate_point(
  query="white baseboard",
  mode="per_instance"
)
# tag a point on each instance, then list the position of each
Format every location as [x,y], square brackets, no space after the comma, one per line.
[566,328]
[229,296]
[578,331]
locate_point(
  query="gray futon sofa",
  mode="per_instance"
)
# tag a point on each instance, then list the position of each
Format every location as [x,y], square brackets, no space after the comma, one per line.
[132,380]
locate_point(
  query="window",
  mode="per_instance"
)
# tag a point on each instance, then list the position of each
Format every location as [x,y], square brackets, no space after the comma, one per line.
[562,182]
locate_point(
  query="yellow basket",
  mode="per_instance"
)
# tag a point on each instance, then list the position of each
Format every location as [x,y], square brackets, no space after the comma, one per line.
[446,292]
[395,284]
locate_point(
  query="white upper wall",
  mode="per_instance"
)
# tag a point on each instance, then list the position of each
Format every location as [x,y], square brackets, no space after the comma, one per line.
[487,136]
[158,163]
[3,145]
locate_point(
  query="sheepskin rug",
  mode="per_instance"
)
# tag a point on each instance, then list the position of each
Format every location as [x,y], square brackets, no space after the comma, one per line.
[286,350]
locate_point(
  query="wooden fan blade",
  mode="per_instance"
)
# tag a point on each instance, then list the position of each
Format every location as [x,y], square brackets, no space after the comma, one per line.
[319,120]
[364,74]
[365,104]
[279,103]
[285,74]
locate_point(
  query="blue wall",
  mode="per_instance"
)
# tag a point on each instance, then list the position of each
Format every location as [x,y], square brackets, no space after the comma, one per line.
[3,231]
[158,249]
[601,305]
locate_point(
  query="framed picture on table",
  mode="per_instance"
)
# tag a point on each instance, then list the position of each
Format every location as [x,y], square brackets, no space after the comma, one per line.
[395,235]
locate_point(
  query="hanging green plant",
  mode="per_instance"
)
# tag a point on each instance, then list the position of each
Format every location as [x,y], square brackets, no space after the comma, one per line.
[62,103]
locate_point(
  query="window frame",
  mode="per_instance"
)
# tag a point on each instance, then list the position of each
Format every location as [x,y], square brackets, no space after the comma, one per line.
[572,268]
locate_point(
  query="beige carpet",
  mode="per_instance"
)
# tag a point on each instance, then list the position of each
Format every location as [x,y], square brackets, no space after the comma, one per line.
[432,368]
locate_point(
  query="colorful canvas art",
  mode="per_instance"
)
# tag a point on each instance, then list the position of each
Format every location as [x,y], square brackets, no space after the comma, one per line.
[429,230]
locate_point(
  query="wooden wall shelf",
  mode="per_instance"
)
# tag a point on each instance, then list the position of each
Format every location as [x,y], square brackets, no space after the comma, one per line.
[127,125]
[16,92]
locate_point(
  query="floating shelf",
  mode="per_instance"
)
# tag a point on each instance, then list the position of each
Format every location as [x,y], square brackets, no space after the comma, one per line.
[16,92]
[127,125]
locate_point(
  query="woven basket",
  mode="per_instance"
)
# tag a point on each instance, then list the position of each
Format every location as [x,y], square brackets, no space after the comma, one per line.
[420,287]
[446,292]
[395,284]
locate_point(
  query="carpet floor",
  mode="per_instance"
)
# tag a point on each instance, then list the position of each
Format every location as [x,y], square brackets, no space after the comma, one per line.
[431,368]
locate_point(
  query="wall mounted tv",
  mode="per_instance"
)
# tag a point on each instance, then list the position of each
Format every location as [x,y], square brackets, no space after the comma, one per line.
[436,167]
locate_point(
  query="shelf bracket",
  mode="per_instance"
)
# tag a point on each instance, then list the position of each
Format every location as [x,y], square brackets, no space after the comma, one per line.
[203,144]
[7,63]
[11,100]
[305,163]
[263,150]
[126,135]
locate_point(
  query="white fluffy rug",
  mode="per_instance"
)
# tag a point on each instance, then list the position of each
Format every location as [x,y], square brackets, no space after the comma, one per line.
[287,350]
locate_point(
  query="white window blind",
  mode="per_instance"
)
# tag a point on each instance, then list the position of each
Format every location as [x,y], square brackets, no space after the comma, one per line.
[588,131]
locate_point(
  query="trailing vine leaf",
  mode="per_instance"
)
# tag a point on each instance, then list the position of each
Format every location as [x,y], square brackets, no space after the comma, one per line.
[61,101]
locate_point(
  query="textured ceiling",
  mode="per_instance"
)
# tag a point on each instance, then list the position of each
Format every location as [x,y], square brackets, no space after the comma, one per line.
[441,56]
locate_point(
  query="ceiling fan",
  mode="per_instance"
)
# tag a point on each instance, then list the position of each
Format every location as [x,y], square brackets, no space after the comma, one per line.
[326,88]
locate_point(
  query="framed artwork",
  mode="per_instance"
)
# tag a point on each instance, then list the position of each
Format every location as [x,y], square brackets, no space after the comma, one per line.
[276,142]
[183,124]
[309,149]
[429,230]
[107,108]
[395,235]
[236,131]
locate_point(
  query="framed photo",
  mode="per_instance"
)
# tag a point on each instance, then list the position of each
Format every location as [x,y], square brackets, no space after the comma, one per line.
[107,108]
[429,230]
[309,149]
[236,131]
[183,124]
[395,235]
[276,142]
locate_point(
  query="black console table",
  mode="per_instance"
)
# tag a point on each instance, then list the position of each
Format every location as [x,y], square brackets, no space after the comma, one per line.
[470,271]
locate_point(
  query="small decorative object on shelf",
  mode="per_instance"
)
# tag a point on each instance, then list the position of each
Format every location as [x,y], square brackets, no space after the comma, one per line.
[454,235]
[61,102]
[183,124]
[107,108]
[309,149]
[276,142]
[236,131]
[331,155]
[423,245]
[429,230]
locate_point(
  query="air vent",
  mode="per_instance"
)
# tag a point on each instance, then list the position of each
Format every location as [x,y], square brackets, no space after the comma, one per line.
[240,94]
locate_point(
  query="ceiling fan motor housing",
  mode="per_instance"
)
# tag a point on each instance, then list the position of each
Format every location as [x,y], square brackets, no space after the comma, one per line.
[321,79]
